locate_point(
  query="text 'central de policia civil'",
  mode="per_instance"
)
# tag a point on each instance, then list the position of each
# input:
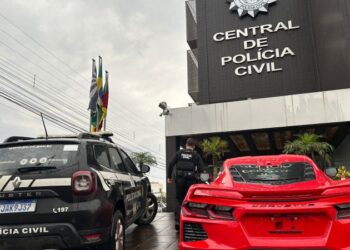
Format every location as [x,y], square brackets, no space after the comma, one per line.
[262,52]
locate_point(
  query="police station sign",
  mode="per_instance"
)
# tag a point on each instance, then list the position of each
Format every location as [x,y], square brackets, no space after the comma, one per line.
[257,56]
[250,49]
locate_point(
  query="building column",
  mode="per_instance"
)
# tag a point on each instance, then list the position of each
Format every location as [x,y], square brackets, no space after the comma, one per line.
[172,145]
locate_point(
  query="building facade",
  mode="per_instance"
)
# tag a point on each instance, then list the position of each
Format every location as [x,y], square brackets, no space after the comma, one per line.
[262,71]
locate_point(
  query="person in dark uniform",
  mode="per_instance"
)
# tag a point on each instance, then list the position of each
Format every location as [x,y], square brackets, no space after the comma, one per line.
[188,164]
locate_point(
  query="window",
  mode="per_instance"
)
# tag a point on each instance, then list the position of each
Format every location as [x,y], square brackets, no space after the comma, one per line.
[129,163]
[285,173]
[101,155]
[116,161]
[29,155]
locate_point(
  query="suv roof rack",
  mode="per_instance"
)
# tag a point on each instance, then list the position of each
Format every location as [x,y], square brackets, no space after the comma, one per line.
[67,136]
[102,134]
[17,138]
[84,135]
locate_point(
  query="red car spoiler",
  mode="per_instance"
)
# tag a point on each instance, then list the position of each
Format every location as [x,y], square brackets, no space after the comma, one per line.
[205,191]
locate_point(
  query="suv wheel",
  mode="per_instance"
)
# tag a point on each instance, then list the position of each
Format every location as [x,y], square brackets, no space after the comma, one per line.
[117,239]
[150,211]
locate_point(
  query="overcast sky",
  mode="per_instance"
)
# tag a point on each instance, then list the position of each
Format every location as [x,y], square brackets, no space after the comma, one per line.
[143,46]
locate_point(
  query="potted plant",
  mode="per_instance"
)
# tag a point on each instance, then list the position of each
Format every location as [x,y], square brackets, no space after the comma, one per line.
[310,145]
[215,147]
[342,174]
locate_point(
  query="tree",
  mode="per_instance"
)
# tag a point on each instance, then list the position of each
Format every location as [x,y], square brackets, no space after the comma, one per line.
[143,158]
[310,145]
[216,147]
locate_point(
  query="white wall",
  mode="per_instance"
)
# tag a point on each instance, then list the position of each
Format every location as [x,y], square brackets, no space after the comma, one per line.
[276,112]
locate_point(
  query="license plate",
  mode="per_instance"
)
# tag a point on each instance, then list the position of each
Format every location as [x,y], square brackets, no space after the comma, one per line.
[286,225]
[17,206]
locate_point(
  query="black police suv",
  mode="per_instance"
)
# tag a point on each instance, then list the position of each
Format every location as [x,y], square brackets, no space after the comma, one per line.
[70,192]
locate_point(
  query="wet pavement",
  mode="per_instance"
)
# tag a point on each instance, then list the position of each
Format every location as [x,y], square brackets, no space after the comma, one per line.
[159,235]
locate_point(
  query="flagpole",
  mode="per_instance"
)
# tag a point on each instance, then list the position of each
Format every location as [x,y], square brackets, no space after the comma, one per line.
[91,124]
[105,124]
[91,112]
[97,104]
[105,120]
[97,119]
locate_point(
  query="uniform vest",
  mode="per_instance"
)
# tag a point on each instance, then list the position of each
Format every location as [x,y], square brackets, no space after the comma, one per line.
[186,167]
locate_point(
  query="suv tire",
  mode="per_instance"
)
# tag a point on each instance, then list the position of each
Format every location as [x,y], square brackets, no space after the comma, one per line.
[117,240]
[150,211]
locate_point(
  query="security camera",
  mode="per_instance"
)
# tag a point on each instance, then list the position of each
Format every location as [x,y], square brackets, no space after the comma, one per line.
[165,108]
[163,105]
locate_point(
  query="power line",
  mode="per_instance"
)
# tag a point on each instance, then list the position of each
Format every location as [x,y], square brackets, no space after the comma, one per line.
[111,113]
[39,56]
[57,107]
[67,122]
[35,111]
[137,118]
[47,116]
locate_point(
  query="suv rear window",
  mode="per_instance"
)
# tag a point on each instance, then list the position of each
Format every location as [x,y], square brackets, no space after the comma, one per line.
[273,175]
[55,155]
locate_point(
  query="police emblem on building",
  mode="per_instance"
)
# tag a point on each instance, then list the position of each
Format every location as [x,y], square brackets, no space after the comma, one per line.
[250,7]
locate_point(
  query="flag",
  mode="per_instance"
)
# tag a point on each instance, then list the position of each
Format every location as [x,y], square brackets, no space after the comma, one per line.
[100,95]
[93,88]
[93,98]
[105,96]
[104,101]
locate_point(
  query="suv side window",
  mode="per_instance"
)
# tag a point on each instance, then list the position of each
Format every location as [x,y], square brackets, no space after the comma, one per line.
[129,163]
[101,155]
[116,161]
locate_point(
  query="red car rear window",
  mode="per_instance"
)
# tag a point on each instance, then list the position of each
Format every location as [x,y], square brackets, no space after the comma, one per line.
[274,175]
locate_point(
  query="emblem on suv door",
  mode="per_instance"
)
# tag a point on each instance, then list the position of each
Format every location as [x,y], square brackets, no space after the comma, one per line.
[16,182]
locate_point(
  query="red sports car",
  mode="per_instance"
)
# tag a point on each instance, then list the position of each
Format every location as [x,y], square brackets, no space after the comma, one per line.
[268,202]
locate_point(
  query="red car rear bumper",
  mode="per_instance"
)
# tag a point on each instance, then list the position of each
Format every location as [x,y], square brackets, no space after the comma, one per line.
[233,235]
[232,213]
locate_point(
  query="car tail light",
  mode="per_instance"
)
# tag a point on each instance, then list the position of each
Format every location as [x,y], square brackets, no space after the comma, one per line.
[225,194]
[201,210]
[83,182]
[198,210]
[221,213]
[343,211]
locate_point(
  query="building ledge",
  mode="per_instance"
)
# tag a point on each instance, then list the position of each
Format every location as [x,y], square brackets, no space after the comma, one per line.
[276,112]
